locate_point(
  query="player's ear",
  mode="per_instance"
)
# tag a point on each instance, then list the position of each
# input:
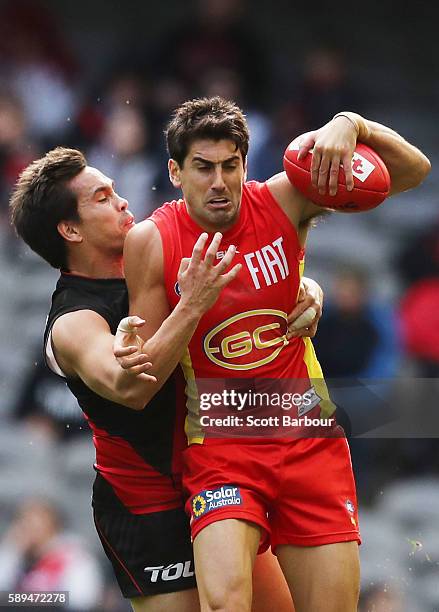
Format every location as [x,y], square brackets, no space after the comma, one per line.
[174,173]
[69,231]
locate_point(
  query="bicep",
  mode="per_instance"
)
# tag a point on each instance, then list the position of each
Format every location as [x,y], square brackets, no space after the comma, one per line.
[143,261]
[83,347]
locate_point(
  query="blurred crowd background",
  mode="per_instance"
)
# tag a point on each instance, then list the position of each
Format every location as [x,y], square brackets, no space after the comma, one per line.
[104,77]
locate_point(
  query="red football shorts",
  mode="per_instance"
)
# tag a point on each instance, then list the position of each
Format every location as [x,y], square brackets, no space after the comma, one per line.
[300,492]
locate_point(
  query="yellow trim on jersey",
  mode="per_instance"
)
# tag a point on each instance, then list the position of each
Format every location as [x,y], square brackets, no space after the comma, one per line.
[301,268]
[192,427]
[315,373]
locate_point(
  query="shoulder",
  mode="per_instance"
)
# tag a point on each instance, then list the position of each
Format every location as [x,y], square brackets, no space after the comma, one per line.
[289,198]
[78,321]
[142,240]
[142,233]
[143,255]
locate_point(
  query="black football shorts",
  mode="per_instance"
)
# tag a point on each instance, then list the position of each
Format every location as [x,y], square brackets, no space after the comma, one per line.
[150,553]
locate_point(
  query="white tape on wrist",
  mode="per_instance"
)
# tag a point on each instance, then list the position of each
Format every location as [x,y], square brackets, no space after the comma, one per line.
[305,319]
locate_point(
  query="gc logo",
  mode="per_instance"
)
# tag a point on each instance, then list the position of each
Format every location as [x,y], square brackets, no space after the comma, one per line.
[263,338]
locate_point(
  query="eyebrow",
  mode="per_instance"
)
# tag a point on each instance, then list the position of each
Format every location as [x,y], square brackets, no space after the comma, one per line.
[198,158]
[103,188]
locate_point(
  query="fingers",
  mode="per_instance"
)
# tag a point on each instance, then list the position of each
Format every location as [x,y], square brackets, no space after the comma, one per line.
[302,293]
[184,264]
[302,331]
[213,249]
[347,167]
[333,175]
[307,142]
[305,332]
[197,251]
[139,372]
[231,275]
[305,319]
[124,351]
[137,360]
[323,173]
[137,365]
[226,260]
[128,325]
[148,377]
[315,166]
[301,306]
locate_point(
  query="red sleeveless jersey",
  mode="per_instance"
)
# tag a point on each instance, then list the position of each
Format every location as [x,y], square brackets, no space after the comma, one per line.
[243,335]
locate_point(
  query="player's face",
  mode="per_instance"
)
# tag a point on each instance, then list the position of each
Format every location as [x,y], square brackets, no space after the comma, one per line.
[211,179]
[104,216]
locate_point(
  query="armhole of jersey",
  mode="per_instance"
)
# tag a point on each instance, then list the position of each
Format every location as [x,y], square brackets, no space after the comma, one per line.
[49,353]
[285,219]
[162,227]
[50,356]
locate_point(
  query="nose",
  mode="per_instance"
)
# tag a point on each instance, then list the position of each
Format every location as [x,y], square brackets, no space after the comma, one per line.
[122,204]
[218,180]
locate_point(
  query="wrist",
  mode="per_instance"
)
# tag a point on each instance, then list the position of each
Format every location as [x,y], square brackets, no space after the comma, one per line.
[188,310]
[360,124]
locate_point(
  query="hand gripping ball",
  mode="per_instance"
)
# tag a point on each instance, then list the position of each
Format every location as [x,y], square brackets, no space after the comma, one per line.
[371,180]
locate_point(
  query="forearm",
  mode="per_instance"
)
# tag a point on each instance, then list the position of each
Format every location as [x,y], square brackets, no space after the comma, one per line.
[129,390]
[166,347]
[406,164]
[163,350]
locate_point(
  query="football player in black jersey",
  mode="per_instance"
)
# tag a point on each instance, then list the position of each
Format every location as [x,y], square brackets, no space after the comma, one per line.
[71,215]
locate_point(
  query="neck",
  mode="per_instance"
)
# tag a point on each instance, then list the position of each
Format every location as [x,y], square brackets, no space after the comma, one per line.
[220,226]
[98,267]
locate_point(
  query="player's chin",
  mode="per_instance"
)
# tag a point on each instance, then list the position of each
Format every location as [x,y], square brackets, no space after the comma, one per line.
[222,216]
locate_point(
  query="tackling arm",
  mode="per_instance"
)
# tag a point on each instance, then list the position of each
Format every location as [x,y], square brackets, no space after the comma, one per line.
[82,343]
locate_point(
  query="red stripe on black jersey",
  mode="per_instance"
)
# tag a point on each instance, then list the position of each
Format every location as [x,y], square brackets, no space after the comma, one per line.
[138,486]
[138,452]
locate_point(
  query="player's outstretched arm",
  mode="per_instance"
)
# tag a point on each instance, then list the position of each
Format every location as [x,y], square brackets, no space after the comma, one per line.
[334,143]
[406,164]
[83,347]
[200,281]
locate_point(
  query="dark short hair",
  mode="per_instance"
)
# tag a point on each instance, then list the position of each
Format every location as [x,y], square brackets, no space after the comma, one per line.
[41,199]
[206,118]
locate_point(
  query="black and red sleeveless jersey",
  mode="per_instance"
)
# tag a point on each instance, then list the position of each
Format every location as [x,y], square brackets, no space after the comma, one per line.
[138,453]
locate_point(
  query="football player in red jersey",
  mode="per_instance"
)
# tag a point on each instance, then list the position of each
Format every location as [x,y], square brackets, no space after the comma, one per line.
[244,494]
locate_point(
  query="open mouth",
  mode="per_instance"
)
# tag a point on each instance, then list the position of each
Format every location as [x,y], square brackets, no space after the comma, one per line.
[220,202]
